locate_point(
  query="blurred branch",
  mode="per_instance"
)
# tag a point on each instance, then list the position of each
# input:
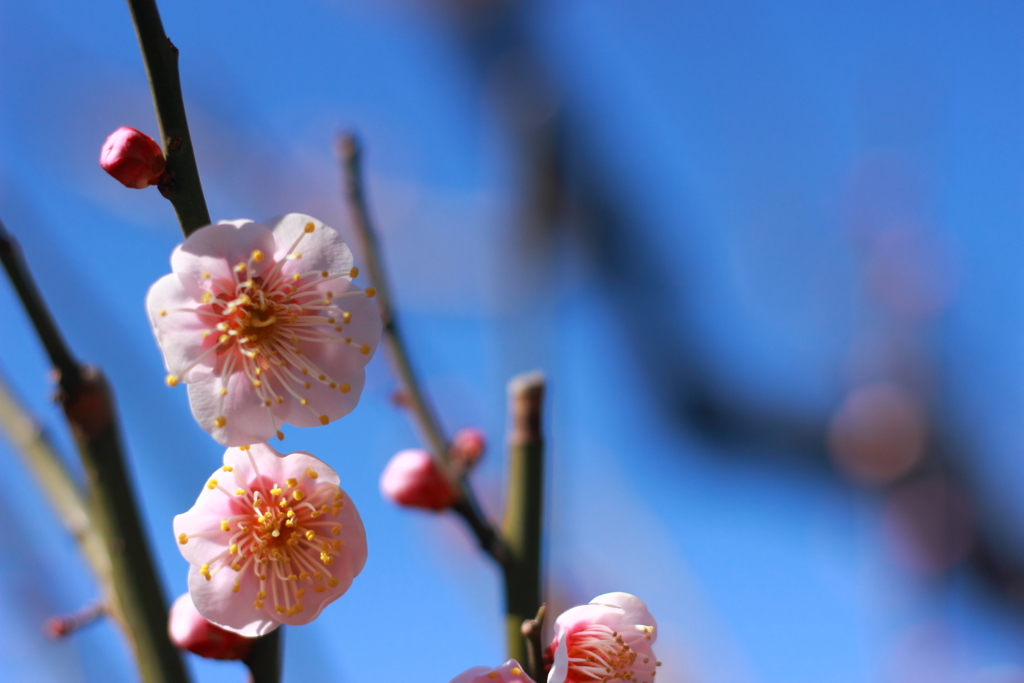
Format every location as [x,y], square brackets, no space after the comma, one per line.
[38,454]
[264,659]
[419,404]
[185,191]
[89,408]
[524,508]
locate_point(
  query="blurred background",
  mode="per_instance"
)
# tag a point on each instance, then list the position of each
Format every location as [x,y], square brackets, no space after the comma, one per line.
[768,254]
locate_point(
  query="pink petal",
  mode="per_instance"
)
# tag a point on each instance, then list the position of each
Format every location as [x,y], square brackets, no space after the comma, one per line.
[509,672]
[247,420]
[322,249]
[179,333]
[233,611]
[325,401]
[217,248]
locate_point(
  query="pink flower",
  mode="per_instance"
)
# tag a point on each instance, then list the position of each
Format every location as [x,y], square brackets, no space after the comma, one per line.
[610,639]
[132,158]
[265,327]
[272,540]
[411,478]
[468,446]
[509,672]
[190,631]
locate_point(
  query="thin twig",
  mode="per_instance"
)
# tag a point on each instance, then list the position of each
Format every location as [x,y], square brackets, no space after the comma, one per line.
[532,631]
[38,454]
[524,507]
[89,408]
[63,626]
[420,405]
[184,189]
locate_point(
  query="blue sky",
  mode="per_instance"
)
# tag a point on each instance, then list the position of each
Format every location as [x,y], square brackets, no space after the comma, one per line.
[738,140]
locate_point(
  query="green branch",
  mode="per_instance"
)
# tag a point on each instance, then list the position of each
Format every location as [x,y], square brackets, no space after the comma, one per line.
[184,189]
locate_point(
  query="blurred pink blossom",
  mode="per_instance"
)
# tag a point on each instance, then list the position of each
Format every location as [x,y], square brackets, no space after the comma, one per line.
[468,446]
[609,639]
[133,158]
[509,672]
[412,478]
[190,631]
[265,327]
[272,540]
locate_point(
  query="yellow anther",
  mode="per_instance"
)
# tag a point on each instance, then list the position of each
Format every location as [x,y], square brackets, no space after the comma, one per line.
[172,380]
[292,577]
[318,588]
[296,277]
[276,491]
[206,275]
[344,388]
[330,321]
[237,567]
[228,468]
[324,273]
[212,484]
[220,422]
[204,334]
[297,494]
[322,377]
[297,608]
[303,576]
[291,513]
[336,545]
[262,595]
[336,529]
[333,385]
[371,292]
[233,549]
[205,571]
[223,338]
[236,587]
[207,297]
[257,255]
[332,582]
[163,312]
[310,535]
[348,340]
[515,671]
[305,384]
[256,383]
[279,399]
[266,403]
[240,267]
[346,317]
[311,473]
[183,538]
[280,434]
[299,593]
[310,227]
[318,576]
[324,419]
[354,272]
[304,401]
[224,526]
[493,674]
[364,349]
[258,604]
[283,503]
[280,609]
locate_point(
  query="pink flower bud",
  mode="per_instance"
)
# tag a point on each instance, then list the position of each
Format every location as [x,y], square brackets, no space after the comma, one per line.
[469,445]
[133,158]
[190,631]
[412,479]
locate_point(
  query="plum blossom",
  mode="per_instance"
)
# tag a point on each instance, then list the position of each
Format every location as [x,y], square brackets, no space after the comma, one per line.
[272,540]
[411,478]
[132,158]
[608,640]
[264,325]
[191,631]
[509,672]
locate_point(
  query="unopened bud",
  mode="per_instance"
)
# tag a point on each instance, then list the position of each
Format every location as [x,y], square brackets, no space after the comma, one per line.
[412,479]
[468,446]
[189,630]
[133,158]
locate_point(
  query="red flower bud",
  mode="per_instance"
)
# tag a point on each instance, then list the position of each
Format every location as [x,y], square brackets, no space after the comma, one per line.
[412,479]
[468,446]
[190,631]
[133,158]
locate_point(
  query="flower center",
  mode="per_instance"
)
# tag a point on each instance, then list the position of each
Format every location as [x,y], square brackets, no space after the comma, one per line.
[284,534]
[598,653]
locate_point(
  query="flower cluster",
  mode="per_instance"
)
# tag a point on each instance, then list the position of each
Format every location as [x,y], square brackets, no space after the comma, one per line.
[265,327]
[605,641]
